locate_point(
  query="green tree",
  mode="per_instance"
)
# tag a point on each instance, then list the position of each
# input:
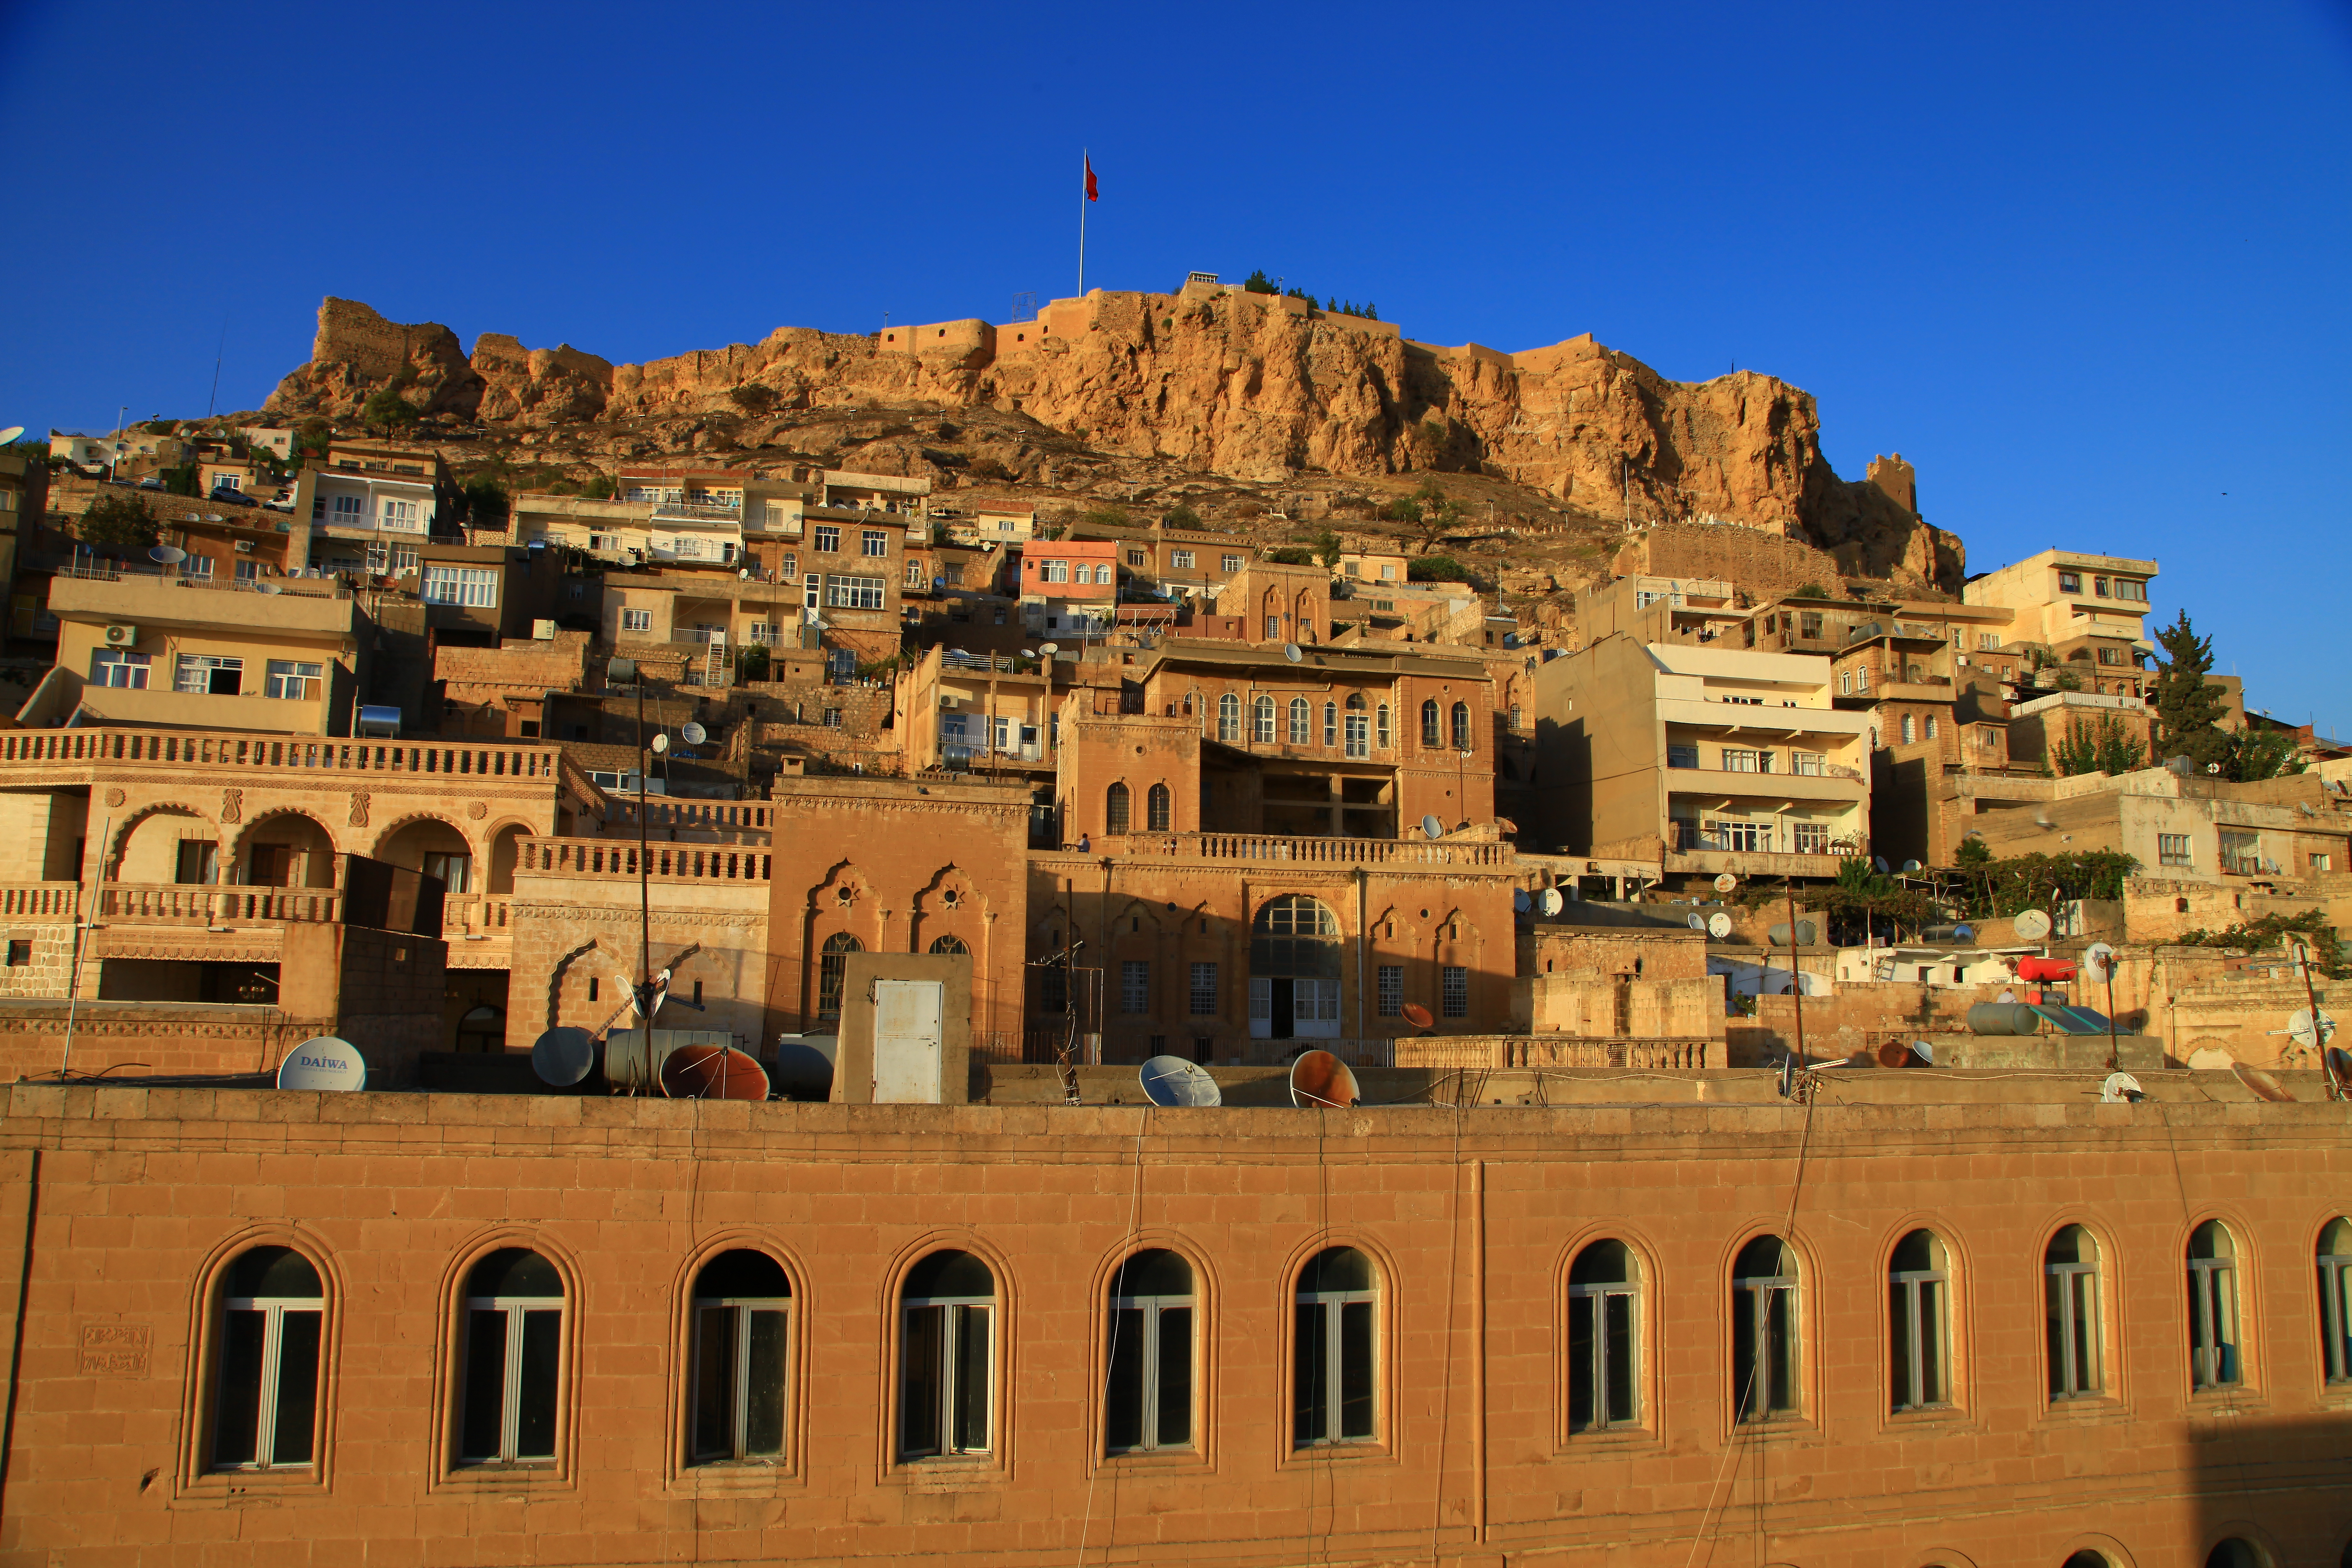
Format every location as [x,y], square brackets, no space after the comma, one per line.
[2257,755]
[1181,516]
[1811,591]
[485,501]
[314,436]
[753,398]
[599,488]
[1257,282]
[1105,517]
[117,523]
[1290,555]
[2188,704]
[2102,745]
[1435,569]
[184,480]
[751,662]
[386,410]
[1433,515]
[1328,548]
[1296,293]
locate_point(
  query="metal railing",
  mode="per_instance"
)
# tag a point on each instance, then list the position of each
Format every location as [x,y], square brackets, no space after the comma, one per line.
[114,572]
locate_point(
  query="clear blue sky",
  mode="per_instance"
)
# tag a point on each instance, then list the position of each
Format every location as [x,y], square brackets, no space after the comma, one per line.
[2086,267]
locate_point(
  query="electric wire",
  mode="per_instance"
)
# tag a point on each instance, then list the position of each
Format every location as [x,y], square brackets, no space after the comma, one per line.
[1111,1354]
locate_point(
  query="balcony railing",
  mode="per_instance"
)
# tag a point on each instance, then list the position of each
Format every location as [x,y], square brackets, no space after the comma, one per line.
[311,588]
[49,748]
[210,904]
[1526,1051]
[598,858]
[1312,851]
[42,901]
[476,915]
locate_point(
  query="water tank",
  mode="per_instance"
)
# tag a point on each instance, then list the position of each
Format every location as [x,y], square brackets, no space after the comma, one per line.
[2003,1018]
[2031,968]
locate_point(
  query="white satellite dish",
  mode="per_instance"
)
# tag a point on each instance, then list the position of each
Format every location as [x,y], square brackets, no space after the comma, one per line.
[1718,925]
[2299,1028]
[2098,961]
[1048,649]
[2032,925]
[563,1057]
[1172,1080]
[1431,828]
[2120,1088]
[1909,867]
[1551,902]
[323,1062]
[692,733]
[10,434]
[1696,922]
[1290,651]
[1726,882]
[661,744]
[215,517]
[1520,902]
[267,588]
[168,554]
[2212,767]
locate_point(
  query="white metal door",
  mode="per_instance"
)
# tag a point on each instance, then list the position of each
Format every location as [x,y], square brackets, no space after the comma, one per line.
[906,1015]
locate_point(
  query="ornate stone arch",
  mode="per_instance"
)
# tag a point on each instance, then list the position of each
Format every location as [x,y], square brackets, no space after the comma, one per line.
[119,837]
[240,834]
[393,825]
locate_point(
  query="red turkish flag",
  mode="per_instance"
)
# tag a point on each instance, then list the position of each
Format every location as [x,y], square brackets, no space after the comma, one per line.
[1092,195]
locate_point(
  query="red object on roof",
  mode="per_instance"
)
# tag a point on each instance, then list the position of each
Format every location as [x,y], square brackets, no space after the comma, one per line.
[2045,969]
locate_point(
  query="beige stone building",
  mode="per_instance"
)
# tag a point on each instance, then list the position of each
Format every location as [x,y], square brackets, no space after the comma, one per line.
[2082,612]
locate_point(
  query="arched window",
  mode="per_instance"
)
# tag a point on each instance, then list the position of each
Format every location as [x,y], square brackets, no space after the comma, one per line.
[1604,1326]
[1302,721]
[1433,731]
[1148,1394]
[1383,731]
[948,944]
[2213,1360]
[1114,809]
[1330,723]
[1261,720]
[2336,1297]
[742,1351]
[514,1360]
[1919,1322]
[947,1357]
[266,1377]
[2070,1271]
[1159,806]
[832,970]
[1294,970]
[1229,717]
[1334,1361]
[2088,1560]
[1764,1330]
[1461,727]
[2236,1552]
[1359,728]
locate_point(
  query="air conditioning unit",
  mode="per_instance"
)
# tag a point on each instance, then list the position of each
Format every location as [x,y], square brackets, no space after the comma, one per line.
[544,631]
[947,701]
[245,547]
[121,636]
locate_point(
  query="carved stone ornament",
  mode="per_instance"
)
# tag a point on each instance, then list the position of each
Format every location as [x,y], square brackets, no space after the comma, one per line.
[477,810]
[359,808]
[231,806]
[114,796]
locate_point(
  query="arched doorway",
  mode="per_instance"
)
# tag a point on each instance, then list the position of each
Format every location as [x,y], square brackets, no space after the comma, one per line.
[435,847]
[286,849]
[506,851]
[167,845]
[1294,970]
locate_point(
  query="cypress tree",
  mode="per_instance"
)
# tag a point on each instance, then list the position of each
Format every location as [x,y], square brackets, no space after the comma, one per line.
[2188,707]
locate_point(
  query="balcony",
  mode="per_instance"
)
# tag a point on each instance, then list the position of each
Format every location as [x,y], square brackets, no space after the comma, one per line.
[1265,848]
[1760,720]
[1835,783]
[212,906]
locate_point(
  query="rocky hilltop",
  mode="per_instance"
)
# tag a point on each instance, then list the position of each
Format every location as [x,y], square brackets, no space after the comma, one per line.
[1251,387]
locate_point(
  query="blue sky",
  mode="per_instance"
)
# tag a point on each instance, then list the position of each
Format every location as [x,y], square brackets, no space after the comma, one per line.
[2085,266]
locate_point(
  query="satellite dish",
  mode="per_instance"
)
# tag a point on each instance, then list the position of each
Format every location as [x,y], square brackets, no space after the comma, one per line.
[2264,1085]
[1696,922]
[169,555]
[1894,1054]
[2120,1088]
[1909,867]
[2032,925]
[1049,649]
[712,1072]
[1925,1051]
[2098,961]
[563,1057]
[1431,828]
[267,588]
[1290,651]
[1172,1080]
[323,1062]
[215,517]
[1884,869]
[661,744]
[1417,1015]
[1718,925]
[1321,1080]
[1726,882]
[1551,901]
[2212,767]
[692,733]
[10,434]
[1520,902]
[2299,1028]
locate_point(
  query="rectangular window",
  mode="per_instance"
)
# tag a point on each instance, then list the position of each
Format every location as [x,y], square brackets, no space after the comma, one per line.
[268,1383]
[391,560]
[1390,990]
[1457,991]
[2322,862]
[1745,837]
[947,1361]
[2111,656]
[1682,756]
[1180,560]
[1359,730]
[1135,558]
[954,574]
[114,667]
[2070,581]
[1135,986]
[1737,760]
[1054,570]
[1809,623]
[1988,641]
[873,541]
[2099,587]
[1805,764]
[349,510]
[403,515]
[1204,991]
[2172,849]
[637,620]
[855,593]
[1148,1396]
[476,587]
[294,680]
[2127,588]
[512,1348]
[196,566]
[205,674]
[828,539]
[1272,627]
[20,953]
[1810,838]
[1230,563]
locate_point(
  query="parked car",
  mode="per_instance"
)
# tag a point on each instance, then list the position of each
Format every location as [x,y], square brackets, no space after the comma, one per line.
[227,496]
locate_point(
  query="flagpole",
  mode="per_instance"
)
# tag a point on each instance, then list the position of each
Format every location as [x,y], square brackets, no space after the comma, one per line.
[1083,165]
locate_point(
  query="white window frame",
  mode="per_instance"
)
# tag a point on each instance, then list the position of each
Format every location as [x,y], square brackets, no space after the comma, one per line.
[294,680]
[954,1312]
[1605,1418]
[472,587]
[200,666]
[273,1309]
[739,1311]
[401,516]
[137,667]
[1148,1309]
[2077,1287]
[827,538]
[1332,1305]
[856,592]
[637,620]
[519,1310]
[1180,559]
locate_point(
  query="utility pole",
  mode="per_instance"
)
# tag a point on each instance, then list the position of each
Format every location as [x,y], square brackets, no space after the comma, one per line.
[1796,971]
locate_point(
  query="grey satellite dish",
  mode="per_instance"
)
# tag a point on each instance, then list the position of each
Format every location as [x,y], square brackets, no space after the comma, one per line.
[10,434]
[2120,1088]
[1696,922]
[2032,925]
[1726,882]
[169,555]
[1884,869]
[1924,1051]
[1909,867]
[692,733]
[267,588]
[215,517]
[1172,1080]
[2042,818]
[323,1062]
[1290,651]
[192,517]
[1718,925]
[1520,902]
[1551,901]
[661,745]
[1431,828]
[563,1057]
[2299,1028]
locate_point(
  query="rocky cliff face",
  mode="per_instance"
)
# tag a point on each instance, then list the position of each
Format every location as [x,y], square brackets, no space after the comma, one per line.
[1239,385]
